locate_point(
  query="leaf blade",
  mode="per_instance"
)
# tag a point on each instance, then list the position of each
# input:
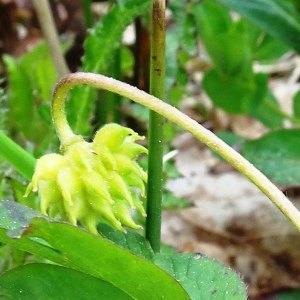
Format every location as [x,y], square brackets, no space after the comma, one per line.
[273,16]
[44,281]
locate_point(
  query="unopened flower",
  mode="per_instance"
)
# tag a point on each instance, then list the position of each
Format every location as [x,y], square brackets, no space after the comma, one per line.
[93,180]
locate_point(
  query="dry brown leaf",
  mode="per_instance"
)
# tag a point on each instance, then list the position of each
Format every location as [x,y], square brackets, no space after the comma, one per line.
[232,221]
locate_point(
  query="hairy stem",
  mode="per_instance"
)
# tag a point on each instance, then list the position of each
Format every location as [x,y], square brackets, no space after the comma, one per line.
[47,24]
[156,125]
[177,117]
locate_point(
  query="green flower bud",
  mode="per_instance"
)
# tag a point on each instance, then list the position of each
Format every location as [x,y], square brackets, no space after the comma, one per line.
[112,136]
[93,181]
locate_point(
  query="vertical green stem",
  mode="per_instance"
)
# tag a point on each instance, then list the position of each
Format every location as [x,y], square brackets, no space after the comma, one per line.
[87,12]
[156,122]
[21,160]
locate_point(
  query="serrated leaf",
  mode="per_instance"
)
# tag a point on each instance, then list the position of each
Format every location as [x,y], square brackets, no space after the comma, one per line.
[273,16]
[276,154]
[203,278]
[20,98]
[44,281]
[31,80]
[94,255]
[100,47]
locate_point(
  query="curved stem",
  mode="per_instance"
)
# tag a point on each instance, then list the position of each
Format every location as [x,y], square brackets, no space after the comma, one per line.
[177,117]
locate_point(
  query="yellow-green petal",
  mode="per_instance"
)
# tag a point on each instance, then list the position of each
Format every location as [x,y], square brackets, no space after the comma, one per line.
[122,213]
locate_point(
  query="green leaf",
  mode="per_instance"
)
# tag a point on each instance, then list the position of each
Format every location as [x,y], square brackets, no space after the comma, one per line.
[212,18]
[31,81]
[100,48]
[234,94]
[296,104]
[227,44]
[203,278]
[172,45]
[268,112]
[20,101]
[92,254]
[43,281]
[276,17]
[288,295]
[18,188]
[131,241]
[229,138]
[265,48]
[277,155]
[181,36]
[171,202]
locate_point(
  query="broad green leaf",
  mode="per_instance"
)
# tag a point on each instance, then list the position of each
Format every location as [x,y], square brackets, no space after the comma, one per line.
[234,94]
[277,155]
[100,47]
[213,19]
[47,282]
[14,218]
[295,3]
[228,45]
[276,17]
[203,278]
[87,253]
[229,138]
[131,241]
[268,112]
[265,48]
[296,104]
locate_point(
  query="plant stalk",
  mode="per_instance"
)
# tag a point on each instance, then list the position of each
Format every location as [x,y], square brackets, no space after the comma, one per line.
[177,117]
[20,159]
[156,126]
[47,24]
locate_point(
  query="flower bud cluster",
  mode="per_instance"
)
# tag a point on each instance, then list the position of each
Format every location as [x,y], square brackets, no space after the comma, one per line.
[93,180]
